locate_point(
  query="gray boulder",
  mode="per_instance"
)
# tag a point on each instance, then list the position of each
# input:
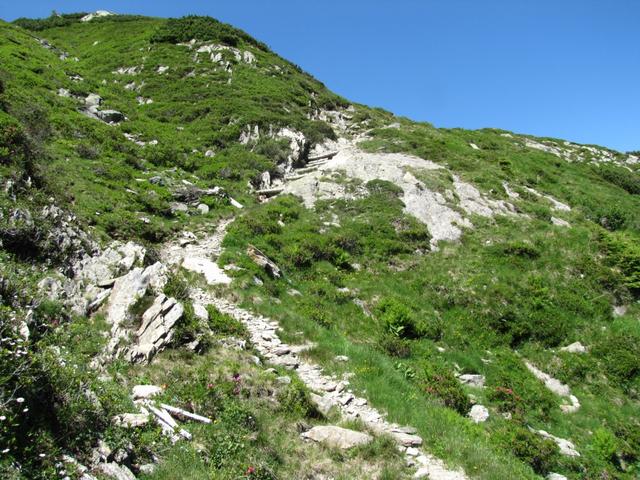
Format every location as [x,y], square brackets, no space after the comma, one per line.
[337,437]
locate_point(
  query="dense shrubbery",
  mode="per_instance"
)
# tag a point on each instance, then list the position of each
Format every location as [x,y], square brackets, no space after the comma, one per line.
[513,389]
[178,30]
[623,178]
[53,21]
[437,380]
[623,252]
[541,454]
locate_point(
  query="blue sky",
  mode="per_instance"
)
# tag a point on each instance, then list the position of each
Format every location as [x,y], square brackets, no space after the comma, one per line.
[560,68]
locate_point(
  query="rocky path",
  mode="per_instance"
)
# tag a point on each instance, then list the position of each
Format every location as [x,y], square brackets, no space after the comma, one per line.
[328,392]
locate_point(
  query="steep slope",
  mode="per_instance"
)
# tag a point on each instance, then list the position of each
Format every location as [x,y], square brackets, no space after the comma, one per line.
[478,286]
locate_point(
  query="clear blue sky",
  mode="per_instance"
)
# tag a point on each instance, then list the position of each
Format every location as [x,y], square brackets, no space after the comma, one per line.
[562,68]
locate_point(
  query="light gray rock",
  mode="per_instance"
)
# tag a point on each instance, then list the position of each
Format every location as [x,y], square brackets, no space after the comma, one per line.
[472,380]
[203,208]
[479,414]
[575,347]
[179,207]
[200,311]
[337,437]
[619,310]
[93,100]
[156,330]
[115,471]
[110,116]
[143,392]
[556,476]
[560,222]
[324,404]
[566,447]
[130,420]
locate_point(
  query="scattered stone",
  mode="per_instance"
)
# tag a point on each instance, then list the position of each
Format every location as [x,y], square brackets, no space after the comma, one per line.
[472,380]
[284,380]
[559,222]
[479,413]
[110,116]
[211,271]
[179,207]
[115,471]
[147,468]
[263,261]
[337,437]
[406,439]
[556,476]
[203,208]
[474,146]
[130,420]
[145,391]
[566,447]
[619,310]
[341,358]
[575,347]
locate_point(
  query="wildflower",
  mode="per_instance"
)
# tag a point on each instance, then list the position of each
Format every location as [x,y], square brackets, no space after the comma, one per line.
[6,450]
[2,418]
[20,400]
[250,470]
[209,385]
[42,455]
[25,410]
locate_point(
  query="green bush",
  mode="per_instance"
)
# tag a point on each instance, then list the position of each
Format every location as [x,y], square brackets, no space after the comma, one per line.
[541,454]
[179,30]
[623,252]
[604,444]
[53,21]
[398,319]
[438,381]
[294,400]
[620,177]
[619,351]
[223,324]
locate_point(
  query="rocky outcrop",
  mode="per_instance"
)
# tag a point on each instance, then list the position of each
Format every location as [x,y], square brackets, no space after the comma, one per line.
[96,14]
[156,330]
[439,211]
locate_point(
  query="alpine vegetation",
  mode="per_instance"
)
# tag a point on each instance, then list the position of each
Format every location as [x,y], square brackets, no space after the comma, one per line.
[211,266]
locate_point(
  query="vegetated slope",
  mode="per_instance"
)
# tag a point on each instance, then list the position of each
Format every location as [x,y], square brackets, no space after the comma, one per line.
[363,277]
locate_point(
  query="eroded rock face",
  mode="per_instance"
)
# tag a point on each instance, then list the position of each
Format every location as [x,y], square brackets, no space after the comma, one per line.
[337,437]
[156,330]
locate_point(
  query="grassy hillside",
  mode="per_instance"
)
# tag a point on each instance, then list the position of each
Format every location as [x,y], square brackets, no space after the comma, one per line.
[410,317]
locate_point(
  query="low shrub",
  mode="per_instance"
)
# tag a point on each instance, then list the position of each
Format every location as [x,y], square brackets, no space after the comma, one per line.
[179,30]
[439,382]
[223,324]
[540,453]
